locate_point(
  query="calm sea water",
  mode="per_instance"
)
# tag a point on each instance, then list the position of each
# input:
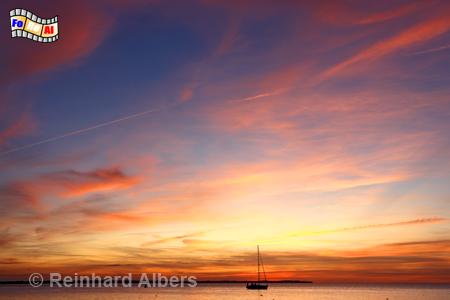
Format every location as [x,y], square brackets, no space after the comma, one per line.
[235,292]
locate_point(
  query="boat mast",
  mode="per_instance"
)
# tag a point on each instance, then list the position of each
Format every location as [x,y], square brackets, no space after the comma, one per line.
[262,265]
[258,262]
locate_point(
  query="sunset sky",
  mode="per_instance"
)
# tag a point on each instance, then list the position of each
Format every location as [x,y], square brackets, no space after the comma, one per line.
[175,136]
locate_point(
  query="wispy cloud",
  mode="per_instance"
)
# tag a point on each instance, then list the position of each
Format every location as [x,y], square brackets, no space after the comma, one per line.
[418,33]
[422,221]
[23,125]
[390,14]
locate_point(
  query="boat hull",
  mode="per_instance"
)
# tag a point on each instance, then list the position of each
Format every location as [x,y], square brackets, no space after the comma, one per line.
[257,286]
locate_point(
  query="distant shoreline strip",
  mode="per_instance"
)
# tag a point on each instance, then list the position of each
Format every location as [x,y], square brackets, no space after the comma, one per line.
[199,281]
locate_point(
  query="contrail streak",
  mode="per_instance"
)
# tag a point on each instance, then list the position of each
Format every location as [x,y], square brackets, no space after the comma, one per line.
[255,97]
[79,131]
[372,226]
[441,48]
[136,115]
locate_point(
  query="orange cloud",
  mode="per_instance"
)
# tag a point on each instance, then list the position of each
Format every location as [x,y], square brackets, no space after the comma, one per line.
[21,126]
[101,180]
[186,94]
[66,184]
[340,13]
[416,34]
[389,14]
[18,195]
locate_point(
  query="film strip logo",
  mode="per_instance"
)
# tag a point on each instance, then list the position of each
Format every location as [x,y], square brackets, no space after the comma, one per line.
[25,24]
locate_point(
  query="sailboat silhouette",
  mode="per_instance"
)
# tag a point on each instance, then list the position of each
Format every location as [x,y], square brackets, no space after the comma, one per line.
[259,285]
